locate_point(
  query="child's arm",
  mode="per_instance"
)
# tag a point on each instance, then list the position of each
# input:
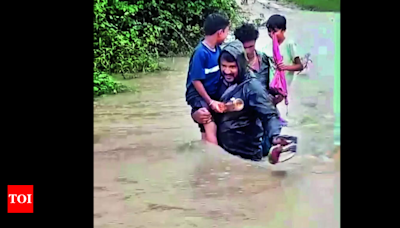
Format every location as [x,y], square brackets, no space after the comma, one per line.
[297,65]
[214,105]
[198,85]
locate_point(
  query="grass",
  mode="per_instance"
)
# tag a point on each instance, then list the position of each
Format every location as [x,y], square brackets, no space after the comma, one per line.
[318,5]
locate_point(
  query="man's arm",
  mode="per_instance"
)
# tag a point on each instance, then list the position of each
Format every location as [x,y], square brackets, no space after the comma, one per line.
[261,102]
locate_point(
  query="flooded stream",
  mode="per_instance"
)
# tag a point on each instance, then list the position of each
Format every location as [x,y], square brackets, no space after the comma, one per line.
[150,170]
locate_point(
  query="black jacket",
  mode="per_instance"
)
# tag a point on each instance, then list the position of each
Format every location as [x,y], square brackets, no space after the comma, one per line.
[263,73]
[241,132]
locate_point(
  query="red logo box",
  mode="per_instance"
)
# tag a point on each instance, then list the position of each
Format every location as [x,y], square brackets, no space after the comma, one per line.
[20,198]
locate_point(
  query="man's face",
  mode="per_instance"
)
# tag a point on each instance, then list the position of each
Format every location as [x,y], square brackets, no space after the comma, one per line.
[222,34]
[229,70]
[250,47]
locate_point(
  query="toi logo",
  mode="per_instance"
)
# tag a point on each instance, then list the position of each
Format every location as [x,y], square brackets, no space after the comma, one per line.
[20,198]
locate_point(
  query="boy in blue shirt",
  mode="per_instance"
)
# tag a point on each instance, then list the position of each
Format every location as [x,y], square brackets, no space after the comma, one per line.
[204,72]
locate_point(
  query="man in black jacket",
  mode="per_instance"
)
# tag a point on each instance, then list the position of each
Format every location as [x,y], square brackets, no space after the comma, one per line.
[254,131]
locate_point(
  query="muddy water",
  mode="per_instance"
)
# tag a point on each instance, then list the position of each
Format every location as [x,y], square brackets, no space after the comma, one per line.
[151,171]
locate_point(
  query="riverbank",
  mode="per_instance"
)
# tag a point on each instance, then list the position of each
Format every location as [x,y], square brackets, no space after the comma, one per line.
[318,5]
[289,5]
[129,37]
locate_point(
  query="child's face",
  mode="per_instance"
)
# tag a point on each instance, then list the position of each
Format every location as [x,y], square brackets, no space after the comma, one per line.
[250,47]
[280,34]
[222,34]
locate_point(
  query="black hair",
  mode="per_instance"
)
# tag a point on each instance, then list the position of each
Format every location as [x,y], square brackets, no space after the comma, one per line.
[276,21]
[215,22]
[226,56]
[246,32]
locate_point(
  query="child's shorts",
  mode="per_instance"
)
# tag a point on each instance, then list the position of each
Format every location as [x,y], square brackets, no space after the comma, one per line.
[196,104]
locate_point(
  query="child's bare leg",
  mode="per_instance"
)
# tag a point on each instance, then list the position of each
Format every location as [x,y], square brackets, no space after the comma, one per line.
[211,132]
[203,132]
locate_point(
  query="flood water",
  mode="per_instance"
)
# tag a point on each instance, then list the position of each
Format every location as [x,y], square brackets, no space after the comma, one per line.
[150,170]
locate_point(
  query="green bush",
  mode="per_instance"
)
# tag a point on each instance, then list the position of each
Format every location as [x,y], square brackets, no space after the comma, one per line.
[319,5]
[103,83]
[130,36]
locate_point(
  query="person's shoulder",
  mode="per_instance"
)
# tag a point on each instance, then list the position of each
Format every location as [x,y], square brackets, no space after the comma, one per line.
[218,48]
[261,54]
[253,81]
[254,87]
[290,41]
[200,48]
[200,51]
[254,84]
[264,57]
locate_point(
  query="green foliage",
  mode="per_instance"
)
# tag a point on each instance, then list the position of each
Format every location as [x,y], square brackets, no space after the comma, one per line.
[103,83]
[129,36]
[319,5]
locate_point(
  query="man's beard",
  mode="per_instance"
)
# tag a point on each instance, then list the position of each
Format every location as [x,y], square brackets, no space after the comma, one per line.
[229,78]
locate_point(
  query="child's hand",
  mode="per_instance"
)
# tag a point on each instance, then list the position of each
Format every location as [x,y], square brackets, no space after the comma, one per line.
[271,33]
[202,116]
[222,107]
[217,106]
[281,66]
[276,99]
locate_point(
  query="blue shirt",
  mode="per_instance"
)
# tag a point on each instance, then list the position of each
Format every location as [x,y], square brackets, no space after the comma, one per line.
[204,67]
